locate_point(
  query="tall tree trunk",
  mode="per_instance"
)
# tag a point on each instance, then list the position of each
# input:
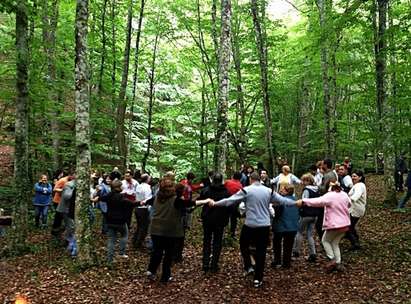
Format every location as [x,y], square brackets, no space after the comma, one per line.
[49,28]
[122,102]
[203,126]
[329,140]
[21,168]
[262,56]
[114,65]
[383,108]
[135,76]
[103,47]
[220,150]
[150,105]
[83,159]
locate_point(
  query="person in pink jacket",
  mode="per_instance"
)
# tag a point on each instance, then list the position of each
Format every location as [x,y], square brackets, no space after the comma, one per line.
[336,221]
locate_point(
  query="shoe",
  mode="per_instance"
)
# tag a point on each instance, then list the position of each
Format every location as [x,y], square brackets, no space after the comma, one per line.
[312,258]
[123,256]
[330,266]
[166,280]
[400,210]
[257,283]
[151,276]
[275,265]
[340,268]
[249,271]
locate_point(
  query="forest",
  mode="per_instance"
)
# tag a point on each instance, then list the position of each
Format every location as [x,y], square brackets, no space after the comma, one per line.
[199,86]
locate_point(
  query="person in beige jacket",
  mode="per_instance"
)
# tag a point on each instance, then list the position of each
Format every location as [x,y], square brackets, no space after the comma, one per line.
[358,196]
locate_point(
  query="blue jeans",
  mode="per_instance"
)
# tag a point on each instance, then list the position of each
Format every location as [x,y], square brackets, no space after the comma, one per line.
[404,199]
[113,230]
[306,223]
[40,212]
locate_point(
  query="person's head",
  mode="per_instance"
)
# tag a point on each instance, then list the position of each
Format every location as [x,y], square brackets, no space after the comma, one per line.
[115,169]
[210,175]
[307,179]
[128,176]
[313,169]
[250,169]
[254,177]
[190,176]
[107,180]
[145,178]
[287,189]
[319,164]
[358,176]
[217,179]
[286,170]
[327,164]
[336,166]
[170,175]
[43,179]
[342,170]
[346,159]
[180,190]
[116,185]
[167,189]
[334,186]
[263,175]
[237,175]
[71,174]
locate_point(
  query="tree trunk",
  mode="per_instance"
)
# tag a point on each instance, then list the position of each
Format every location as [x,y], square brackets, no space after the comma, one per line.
[114,65]
[262,56]
[150,105]
[22,187]
[383,108]
[220,150]
[329,139]
[135,76]
[50,17]
[103,48]
[83,159]
[122,102]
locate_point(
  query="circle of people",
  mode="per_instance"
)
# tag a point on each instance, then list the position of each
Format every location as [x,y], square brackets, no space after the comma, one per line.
[332,202]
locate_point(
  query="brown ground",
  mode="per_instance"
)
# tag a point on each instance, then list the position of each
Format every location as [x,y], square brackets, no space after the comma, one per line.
[379,273]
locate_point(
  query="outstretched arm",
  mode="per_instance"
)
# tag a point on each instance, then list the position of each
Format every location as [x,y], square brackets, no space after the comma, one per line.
[235,198]
[275,197]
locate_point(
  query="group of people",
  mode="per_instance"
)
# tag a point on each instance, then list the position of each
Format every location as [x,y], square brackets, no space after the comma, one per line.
[333,200]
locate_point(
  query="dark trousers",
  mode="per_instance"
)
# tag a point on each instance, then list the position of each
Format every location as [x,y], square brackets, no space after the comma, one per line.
[162,246]
[57,223]
[352,234]
[143,221]
[260,237]
[234,216]
[283,244]
[212,241]
[399,181]
[319,224]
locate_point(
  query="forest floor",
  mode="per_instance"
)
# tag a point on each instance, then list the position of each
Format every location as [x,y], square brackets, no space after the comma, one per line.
[379,273]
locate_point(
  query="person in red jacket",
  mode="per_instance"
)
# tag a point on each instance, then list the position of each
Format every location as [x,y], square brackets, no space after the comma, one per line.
[233,185]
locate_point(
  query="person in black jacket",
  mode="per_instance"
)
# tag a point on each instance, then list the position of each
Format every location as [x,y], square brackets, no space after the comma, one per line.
[214,221]
[118,208]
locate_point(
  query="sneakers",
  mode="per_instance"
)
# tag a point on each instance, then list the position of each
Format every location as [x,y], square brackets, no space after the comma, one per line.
[151,276]
[330,266]
[340,268]
[164,280]
[249,271]
[123,256]
[257,283]
[275,265]
[312,258]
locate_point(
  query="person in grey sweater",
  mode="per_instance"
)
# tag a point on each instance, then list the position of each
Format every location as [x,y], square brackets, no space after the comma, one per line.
[257,199]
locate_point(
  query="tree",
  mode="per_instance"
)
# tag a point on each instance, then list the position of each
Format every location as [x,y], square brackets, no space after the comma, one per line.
[223,89]
[260,37]
[83,160]
[21,168]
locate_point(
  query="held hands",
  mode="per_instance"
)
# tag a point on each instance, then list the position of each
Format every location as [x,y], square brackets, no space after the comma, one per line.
[211,202]
[299,203]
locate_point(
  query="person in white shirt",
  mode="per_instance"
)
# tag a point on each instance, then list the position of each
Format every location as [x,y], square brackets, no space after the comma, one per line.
[358,196]
[129,189]
[143,196]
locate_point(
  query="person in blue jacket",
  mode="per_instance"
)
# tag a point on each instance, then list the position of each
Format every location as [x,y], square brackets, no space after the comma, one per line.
[41,200]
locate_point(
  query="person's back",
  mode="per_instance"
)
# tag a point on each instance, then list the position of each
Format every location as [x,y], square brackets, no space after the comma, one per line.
[166,219]
[258,199]
[287,219]
[233,185]
[214,216]
[336,214]
[311,191]
[118,208]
